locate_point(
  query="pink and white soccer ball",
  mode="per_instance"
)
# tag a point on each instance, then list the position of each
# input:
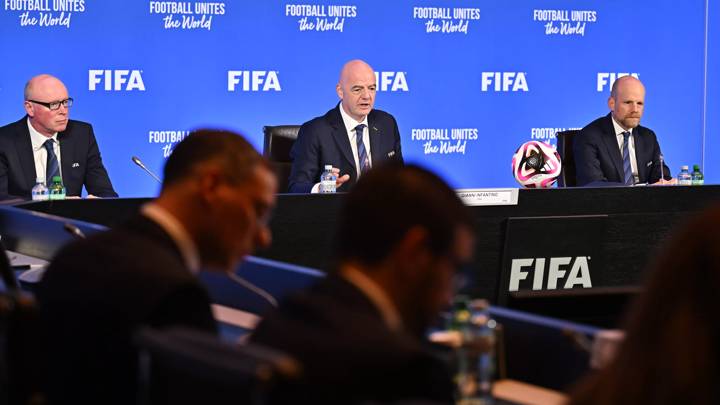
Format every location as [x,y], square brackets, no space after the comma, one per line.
[536,165]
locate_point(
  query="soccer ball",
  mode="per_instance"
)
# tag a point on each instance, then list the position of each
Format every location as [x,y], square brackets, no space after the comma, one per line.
[536,165]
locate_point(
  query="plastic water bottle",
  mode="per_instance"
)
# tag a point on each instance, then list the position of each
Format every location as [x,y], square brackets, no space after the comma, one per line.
[57,190]
[476,355]
[697,177]
[328,180]
[40,192]
[684,178]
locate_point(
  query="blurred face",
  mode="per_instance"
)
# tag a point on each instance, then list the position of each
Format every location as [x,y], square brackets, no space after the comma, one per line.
[238,220]
[47,89]
[434,286]
[629,101]
[357,89]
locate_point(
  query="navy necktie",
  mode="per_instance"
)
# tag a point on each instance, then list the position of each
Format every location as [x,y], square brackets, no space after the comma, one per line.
[627,167]
[362,153]
[52,168]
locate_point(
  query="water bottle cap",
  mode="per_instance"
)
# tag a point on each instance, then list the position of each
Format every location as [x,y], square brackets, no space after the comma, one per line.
[57,179]
[696,167]
[684,167]
[40,180]
[328,167]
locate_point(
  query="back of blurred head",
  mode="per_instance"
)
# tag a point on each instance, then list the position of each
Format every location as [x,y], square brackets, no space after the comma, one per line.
[670,353]
[222,191]
[408,231]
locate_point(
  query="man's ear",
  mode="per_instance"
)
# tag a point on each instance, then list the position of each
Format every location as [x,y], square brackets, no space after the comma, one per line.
[611,103]
[29,109]
[412,252]
[339,91]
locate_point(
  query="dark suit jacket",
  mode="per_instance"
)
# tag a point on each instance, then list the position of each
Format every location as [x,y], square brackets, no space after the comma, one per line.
[598,160]
[96,293]
[324,141]
[79,156]
[347,353]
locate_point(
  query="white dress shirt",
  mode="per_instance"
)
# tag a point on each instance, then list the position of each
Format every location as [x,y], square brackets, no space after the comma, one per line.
[631,145]
[40,153]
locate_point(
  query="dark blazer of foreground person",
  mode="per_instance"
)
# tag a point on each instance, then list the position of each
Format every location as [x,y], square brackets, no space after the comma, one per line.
[94,296]
[671,350]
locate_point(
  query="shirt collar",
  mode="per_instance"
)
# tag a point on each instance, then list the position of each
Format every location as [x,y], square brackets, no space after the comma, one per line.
[36,138]
[618,129]
[376,295]
[350,122]
[177,233]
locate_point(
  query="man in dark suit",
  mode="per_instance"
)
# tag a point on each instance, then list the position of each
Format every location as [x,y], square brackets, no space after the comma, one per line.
[359,334]
[46,143]
[352,137]
[615,150]
[213,210]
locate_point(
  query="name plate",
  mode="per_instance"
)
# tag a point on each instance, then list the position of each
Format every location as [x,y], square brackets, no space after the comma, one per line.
[488,196]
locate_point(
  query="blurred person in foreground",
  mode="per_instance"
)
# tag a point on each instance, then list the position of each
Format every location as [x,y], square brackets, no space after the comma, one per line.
[213,209]
[672,344]
[360,333]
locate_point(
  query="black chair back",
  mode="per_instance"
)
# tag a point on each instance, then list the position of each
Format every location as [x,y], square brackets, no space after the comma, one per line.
[565,141]
[279,139]
[182,366]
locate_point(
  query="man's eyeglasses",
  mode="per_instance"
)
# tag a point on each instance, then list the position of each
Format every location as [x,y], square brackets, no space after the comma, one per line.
[55,105]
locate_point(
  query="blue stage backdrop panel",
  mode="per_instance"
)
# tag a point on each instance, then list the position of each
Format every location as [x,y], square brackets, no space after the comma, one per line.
[468,81]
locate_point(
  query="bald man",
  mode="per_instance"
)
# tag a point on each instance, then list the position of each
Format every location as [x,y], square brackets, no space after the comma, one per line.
[616,150]
[352,137]
[46,143]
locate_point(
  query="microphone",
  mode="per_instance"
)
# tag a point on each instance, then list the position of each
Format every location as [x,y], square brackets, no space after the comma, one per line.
[138,162]
[266,296]
[662,166]
[73,230]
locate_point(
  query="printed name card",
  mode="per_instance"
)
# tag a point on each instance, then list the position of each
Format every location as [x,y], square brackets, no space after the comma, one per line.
[488,196]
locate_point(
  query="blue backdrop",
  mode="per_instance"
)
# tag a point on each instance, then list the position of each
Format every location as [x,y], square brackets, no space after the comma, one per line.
[494,74]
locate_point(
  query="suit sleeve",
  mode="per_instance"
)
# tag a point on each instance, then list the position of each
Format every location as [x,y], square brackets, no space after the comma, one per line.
[305,153]
[398,147]
[97,182]
[587,158]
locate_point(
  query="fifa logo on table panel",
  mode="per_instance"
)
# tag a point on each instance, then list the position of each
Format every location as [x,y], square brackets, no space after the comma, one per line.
[504,81]
[606,80]
[115,80]
[253,80]
[557,273]
[391,81]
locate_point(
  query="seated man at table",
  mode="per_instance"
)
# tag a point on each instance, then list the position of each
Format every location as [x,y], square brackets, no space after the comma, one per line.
[359,334]
[615,150]
[46,143]
[213,210]
[352,137]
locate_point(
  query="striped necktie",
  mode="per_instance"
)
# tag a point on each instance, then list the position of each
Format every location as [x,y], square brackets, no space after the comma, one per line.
[52,168]
[627,167]
[362,153]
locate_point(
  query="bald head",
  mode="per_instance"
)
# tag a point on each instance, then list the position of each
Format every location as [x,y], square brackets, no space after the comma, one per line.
[356,88]
[627,101]
[40,91]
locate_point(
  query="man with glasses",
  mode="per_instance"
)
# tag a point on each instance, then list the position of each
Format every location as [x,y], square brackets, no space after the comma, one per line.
[213,209]
[352,137]
[46,143]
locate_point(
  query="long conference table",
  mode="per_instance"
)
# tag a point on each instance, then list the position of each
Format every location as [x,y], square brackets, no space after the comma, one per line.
[552,240]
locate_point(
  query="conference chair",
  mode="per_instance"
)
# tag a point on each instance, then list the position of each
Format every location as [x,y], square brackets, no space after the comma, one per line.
[279,139]
[183,366]
[565,141]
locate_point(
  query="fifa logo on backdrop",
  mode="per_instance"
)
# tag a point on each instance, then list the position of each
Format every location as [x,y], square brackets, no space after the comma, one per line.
[556,272]
[253,80]
[504,81]
[116,80]
[606,80]
[391,81]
